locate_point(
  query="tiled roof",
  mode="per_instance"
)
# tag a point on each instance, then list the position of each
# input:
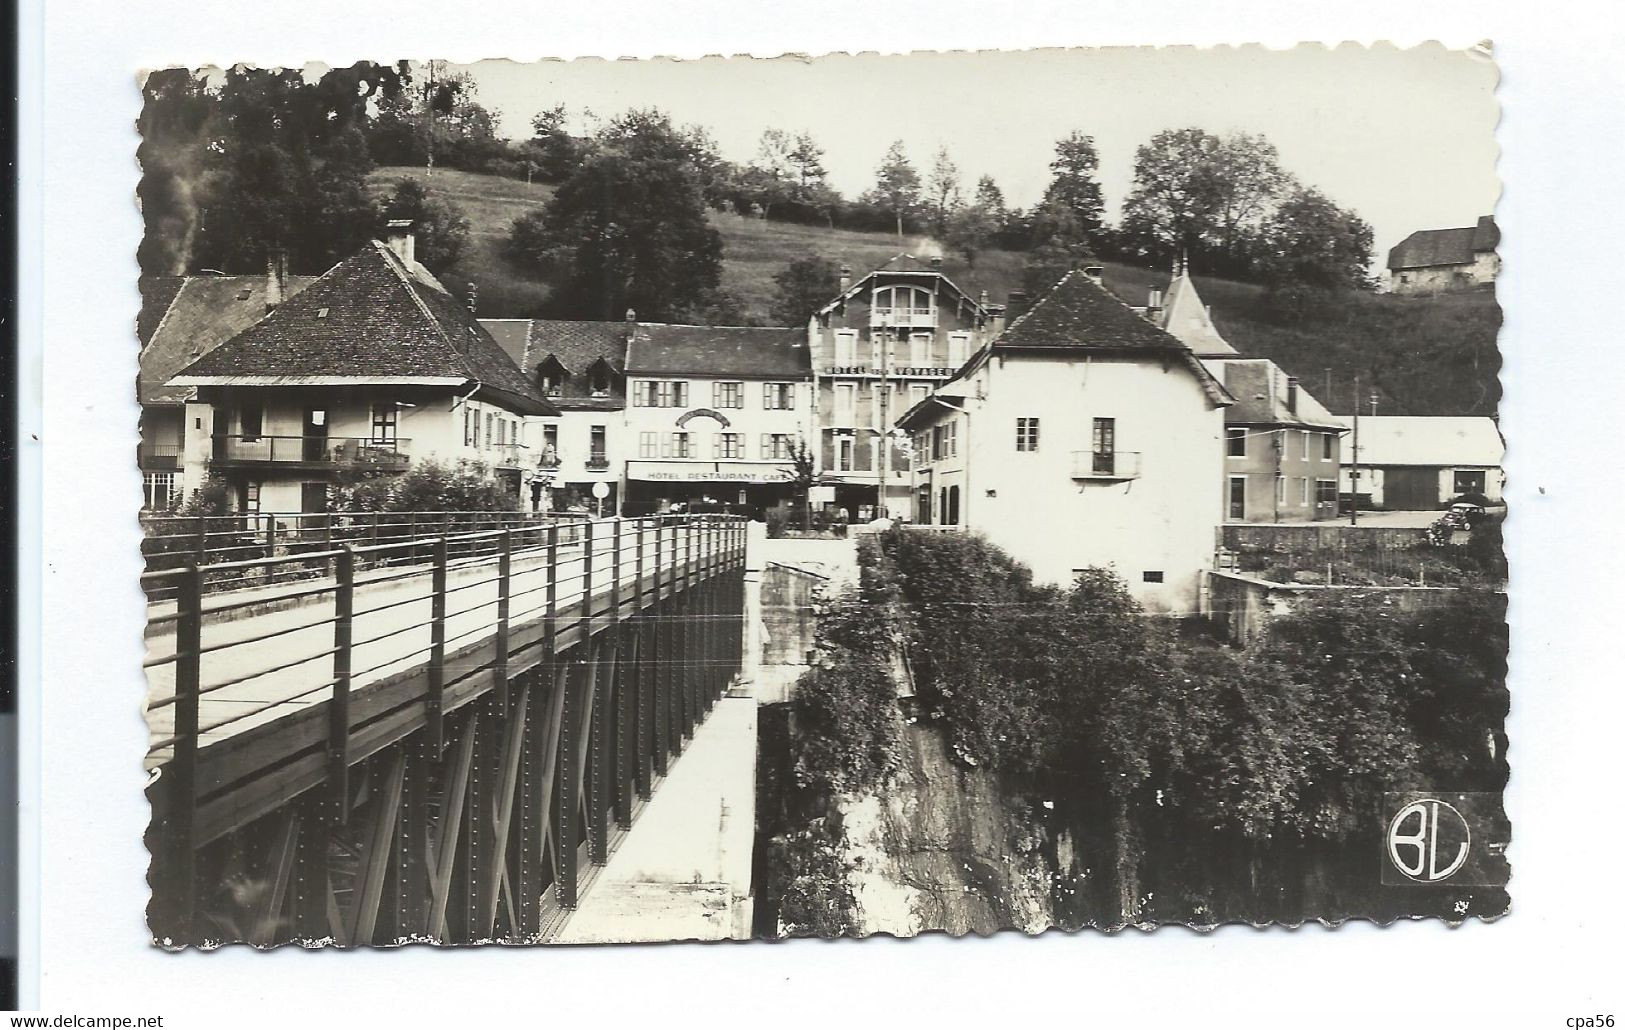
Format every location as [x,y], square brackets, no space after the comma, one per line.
[157,292]
[1078,314]
[576,346]
[902,263]
[199,314]
[1428,440]
[763,353]
[369,319]
[1428,247]
[1260,389]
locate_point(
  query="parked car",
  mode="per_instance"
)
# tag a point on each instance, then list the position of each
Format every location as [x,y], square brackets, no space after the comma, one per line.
[1467,514]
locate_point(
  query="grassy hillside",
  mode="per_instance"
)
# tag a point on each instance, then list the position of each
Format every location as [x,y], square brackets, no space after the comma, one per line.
[1422,356]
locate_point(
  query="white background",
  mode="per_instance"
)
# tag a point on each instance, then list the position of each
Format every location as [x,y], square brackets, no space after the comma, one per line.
[84,815]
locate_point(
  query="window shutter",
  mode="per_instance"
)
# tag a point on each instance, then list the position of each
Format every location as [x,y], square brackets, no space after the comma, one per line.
[716,394]
[789,397]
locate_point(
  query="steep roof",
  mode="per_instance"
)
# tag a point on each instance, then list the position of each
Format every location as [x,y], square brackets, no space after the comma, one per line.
[1260,389]
[1078,314]
[1186,318]
[199,313]
[715,351]
[369,319]
[576,346]
[906,265]
[1428,247]
[1429,440]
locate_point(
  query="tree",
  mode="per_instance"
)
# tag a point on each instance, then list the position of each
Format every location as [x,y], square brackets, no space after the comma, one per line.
[804,285]
[178,119]
[942,191]
[628,229]
[1312,242]
[806,158]
[1064,247]
[1194,190]
[551,147]
[804,469]
[978,225]
[286,168]
[440,228]
[1073,188]
[897,186]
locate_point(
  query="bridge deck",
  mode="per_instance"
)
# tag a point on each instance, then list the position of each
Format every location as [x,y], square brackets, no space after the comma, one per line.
[266,661]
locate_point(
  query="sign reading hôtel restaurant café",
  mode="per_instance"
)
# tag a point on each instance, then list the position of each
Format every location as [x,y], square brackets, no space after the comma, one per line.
[709,472]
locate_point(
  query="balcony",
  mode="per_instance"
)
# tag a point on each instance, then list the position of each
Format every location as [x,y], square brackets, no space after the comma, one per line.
[1106,465]
[598,461]
[511,456]
[159,457]
[904,318]
[310,452]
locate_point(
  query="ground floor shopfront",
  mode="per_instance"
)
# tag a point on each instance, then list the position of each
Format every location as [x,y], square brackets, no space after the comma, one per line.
[740,487]
[860,499]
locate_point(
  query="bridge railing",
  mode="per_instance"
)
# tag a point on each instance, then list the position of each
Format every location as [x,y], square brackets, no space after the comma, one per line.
[175,541]
[443,612]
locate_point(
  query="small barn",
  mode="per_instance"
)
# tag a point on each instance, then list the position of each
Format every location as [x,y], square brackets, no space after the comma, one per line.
[1421,463]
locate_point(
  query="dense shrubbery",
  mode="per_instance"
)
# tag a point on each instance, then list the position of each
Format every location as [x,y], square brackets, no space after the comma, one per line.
[846,705]
[1345,698]
[426,486]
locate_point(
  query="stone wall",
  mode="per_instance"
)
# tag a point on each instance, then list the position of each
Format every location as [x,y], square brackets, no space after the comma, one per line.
[1241,607]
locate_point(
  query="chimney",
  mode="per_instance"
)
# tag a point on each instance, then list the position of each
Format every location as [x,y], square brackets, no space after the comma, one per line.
[1017,306]
[1095,273]
[1292,394]
[995,319]
[936,263]
[401,241]
[276,278]
[846,279]
[1153,306]
[473,298]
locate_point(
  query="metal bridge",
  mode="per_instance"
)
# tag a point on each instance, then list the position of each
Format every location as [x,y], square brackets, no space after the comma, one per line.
[432,737]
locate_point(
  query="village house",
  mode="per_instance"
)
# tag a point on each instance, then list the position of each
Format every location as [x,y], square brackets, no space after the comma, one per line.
[580,368]
[1281,445]
[1081,435]
[371,367]
[715,416]
[1423,462]
[877,350]
[183,318]
[1434,260]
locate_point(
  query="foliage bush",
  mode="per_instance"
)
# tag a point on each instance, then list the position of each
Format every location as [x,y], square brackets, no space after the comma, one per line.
[426,486]
[848,723]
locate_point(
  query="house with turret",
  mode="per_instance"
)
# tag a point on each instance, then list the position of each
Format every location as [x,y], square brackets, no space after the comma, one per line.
[879,348]
[1281,445]
[1081,435]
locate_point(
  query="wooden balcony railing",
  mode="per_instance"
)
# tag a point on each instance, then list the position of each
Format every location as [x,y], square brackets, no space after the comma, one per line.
[310,450]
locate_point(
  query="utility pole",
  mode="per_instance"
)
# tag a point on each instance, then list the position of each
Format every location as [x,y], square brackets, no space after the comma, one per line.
[1354,456]
[428,117]
[881,508]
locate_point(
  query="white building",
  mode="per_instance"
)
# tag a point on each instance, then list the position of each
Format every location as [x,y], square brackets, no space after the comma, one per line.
[1082,435]
[370,368]
[714,416]
[1422,462]
[580,367]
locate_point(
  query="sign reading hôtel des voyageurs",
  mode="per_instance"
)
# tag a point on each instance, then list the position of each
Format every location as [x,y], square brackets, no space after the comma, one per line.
[709,472]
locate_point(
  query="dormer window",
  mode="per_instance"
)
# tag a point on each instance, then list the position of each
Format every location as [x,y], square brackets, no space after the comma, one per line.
[600,378]
[550,376]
